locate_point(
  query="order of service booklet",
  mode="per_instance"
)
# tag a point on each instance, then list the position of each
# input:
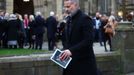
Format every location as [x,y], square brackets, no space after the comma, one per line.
[55,58]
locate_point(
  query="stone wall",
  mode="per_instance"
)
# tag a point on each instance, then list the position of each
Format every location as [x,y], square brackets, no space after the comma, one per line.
[9,6]
[108,64]
[123,42]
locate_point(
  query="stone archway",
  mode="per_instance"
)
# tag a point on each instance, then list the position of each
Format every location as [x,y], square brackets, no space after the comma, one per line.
[21,7]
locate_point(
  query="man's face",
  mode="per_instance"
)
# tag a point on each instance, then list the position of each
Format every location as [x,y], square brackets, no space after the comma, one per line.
[70,7]
[26,16]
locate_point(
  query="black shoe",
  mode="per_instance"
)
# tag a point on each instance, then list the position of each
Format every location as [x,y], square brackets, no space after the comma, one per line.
[111,50]
[106,50]
[32,47]
[40,48]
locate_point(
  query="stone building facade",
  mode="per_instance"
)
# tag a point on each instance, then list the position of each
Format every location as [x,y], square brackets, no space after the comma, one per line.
[45,6]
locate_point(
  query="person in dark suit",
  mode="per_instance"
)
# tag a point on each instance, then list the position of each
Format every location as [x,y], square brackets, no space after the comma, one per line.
[79,42]
[97,29]
[51,25]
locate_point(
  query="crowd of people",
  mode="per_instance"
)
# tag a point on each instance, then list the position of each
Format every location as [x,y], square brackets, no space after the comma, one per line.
[17,31]
[101,24]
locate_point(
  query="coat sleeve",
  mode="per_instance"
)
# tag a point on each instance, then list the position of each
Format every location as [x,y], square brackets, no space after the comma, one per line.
[87,40]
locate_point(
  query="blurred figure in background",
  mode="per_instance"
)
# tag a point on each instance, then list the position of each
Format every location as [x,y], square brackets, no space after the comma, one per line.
[32,32]
[105,37]
[22,33]
[39,30]
[5,27]
[61,28]
[112,23]
[1,27]
[26,23]
[97,29]
[51,25]
[12,34]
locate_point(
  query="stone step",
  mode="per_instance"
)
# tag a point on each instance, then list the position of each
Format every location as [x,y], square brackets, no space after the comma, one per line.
[130,73]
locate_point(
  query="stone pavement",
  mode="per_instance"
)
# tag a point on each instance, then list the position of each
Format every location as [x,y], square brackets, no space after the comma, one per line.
[97,48]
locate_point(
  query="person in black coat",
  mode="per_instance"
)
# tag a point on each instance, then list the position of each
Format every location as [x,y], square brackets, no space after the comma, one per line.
[12,33]
[1,27]
[1,31]
[39,30]
[79,42]
[51,25]
[5,26]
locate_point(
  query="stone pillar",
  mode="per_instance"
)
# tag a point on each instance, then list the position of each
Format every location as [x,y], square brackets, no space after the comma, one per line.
[95,6]
[59,8]
[9,6]
[91,6]
[86,6]
[113,6]
[123,43]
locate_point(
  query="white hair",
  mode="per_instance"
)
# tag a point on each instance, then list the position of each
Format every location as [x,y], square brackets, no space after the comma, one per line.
[12,17]
[38,13]
[51,13]
[6,16]
[20,17]
[31,17]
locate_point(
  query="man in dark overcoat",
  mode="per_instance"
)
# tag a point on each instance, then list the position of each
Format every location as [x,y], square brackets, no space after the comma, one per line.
[51,25]
[39,30]
[79,40]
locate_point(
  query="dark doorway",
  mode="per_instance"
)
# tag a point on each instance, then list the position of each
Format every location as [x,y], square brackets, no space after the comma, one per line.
[22,7]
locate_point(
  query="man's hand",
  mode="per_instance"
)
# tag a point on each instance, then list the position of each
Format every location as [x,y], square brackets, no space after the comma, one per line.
[66,54]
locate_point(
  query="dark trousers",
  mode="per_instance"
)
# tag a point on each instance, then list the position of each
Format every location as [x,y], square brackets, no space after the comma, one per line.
[108,38]
[0,39]
[31,44]
[5,41]
[26,41]
[98,36]
[39,41]
[51,43]
[21,42]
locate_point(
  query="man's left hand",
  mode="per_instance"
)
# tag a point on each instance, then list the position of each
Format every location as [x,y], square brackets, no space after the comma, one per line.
[66,54]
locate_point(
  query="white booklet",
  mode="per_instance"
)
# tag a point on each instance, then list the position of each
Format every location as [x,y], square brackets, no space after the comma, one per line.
[55,58]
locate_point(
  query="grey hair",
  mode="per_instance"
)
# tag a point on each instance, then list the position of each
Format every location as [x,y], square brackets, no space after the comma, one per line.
[74,1]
